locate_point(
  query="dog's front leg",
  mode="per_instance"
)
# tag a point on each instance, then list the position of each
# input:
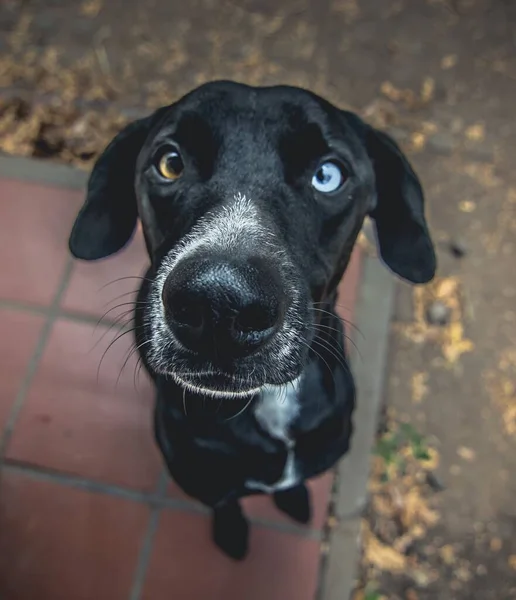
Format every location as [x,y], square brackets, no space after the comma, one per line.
[231,529]
[295,502]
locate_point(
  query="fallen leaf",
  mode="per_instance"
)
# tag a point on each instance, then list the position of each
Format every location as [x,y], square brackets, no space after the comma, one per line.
[381,556]
[476,133]
[449,61]
[91,8]
[512,561]
[421,577]
[455,344]
[415,509]
[463,574]
[418,531]
[395,94]
[467,206]
[418,140]
[419,386]
[483,174]
[427,89]
[447,554]
[446,288]
[432,462]
[495,544]
[466,453]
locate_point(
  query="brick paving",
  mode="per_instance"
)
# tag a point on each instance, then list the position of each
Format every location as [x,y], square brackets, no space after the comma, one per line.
[87,511]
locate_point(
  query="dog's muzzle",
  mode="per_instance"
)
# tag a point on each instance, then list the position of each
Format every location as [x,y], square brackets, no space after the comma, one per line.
[228,310]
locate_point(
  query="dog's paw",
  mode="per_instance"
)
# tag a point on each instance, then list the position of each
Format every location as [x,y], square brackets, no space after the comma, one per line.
[231,532]
[295,503]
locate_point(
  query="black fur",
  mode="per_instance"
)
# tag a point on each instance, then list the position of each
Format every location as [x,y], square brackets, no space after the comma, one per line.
[266,143]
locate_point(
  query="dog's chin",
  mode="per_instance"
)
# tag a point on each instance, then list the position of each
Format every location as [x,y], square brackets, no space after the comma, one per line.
[216,385]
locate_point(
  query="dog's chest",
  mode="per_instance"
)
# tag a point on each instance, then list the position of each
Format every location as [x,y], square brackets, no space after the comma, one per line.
[277,409]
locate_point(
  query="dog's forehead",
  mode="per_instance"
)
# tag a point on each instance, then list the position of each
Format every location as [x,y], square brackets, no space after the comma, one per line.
[222,104]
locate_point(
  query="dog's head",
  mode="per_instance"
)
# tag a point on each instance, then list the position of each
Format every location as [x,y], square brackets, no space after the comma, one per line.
[250,201]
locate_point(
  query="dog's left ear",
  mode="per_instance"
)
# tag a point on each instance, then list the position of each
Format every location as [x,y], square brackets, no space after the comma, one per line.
[107,220]
[404,240]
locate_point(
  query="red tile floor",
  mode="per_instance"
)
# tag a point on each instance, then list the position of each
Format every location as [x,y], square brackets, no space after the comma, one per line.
[86,509]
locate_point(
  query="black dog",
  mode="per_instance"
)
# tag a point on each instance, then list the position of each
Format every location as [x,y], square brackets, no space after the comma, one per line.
[250,200]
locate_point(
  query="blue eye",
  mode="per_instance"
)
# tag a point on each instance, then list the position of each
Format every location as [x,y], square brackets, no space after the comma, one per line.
[328,177]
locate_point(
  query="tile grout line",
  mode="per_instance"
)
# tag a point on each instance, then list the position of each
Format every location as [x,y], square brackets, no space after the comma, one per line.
[145,553]
[47,311]
[96,487]
[153,499]
[34,361]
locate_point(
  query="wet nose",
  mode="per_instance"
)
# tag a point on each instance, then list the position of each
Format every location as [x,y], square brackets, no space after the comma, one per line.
[222,307]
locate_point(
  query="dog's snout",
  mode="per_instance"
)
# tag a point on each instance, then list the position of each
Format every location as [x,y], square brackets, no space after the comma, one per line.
[224,307]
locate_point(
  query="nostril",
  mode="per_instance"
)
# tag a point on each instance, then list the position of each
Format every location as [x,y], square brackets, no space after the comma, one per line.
[255,318]
[182,309]
[189,315]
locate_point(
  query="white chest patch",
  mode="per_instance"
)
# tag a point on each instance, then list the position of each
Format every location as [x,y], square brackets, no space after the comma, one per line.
[278,407]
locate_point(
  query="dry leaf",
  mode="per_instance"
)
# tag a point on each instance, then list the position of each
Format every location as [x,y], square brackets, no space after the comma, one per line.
[446,288]
[455,344]
[427,90]
[418,531]
[476,133]
[419,386]
[467,206]
[418,140]
[463,574]
[432,462]
[384,557]
[447,554]
[501,387]
[483,174]
[383,506]
[396,94]
[421,577]
[91,8]
[416,509]
[466,453]
[449,61]
[495,544]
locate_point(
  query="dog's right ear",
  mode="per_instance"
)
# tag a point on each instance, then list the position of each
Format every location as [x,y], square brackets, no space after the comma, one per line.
[107,220]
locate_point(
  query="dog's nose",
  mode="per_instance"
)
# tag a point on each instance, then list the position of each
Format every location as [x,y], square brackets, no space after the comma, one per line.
[223,308]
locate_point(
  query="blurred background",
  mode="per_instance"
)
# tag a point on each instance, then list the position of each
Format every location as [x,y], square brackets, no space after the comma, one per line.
[440,76]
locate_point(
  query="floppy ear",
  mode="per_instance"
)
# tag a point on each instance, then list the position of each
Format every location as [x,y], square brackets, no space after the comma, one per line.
[107,219]
[402,232]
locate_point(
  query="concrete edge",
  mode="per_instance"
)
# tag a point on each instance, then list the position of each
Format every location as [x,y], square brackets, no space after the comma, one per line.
[43,172]
[373,315]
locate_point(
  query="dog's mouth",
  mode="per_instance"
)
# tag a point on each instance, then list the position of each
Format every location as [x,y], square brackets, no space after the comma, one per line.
[216,385]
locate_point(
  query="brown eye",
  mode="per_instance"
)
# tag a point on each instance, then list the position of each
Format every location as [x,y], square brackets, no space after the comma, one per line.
[171,165]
